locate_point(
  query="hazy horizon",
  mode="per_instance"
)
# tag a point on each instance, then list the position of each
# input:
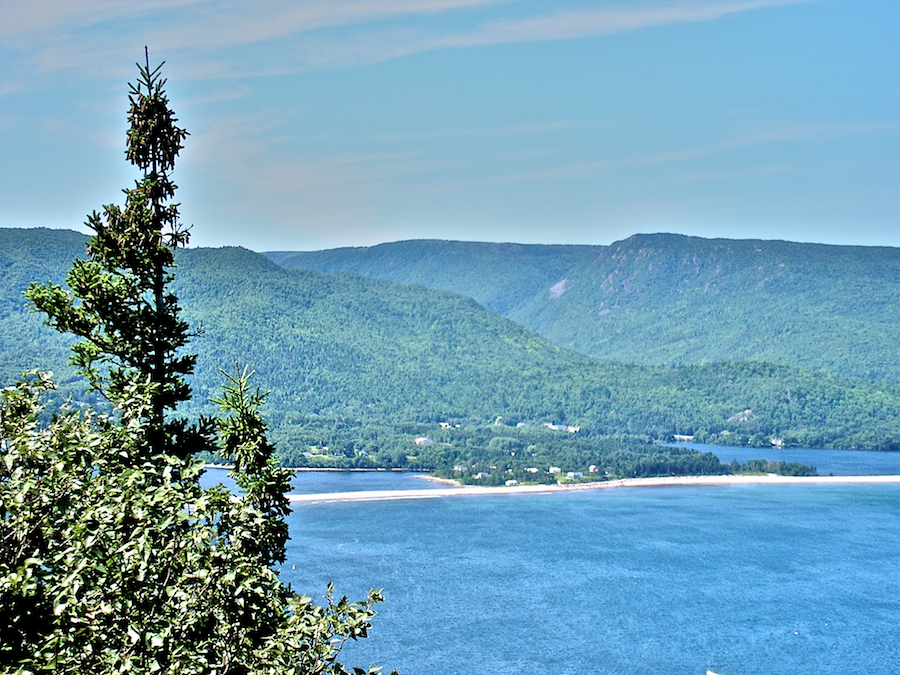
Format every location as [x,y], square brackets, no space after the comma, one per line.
[473,241]
[358,122]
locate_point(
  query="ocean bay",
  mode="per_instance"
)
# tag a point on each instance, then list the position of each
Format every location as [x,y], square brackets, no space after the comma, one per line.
[740,579]
[737,579]
[827,462]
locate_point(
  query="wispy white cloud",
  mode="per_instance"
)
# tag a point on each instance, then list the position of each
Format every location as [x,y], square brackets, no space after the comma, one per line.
[247,152]
[98,36]
[22,20]
[204,24]
[92,34]
[7,89]
[589,23]
[383,43]
[771,132]
[238,23]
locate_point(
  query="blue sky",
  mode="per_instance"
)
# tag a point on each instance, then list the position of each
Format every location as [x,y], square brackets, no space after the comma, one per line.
[352,122]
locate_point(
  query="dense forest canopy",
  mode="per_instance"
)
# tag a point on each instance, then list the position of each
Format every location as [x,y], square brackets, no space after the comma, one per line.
[664,299]
[347,356]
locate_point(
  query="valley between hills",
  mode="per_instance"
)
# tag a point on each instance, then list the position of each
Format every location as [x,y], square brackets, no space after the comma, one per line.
[465,358]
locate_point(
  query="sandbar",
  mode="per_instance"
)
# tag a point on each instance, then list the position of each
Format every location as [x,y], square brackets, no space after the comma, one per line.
[467,490]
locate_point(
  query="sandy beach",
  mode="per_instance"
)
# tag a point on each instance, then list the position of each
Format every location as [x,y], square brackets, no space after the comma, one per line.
[463,491]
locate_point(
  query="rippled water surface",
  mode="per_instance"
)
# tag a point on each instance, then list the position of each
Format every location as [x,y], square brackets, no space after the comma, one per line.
[749,579]
[312,482]
[835,462]
[741,580]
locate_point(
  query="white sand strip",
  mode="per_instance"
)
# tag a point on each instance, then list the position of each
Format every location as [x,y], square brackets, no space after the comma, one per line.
[380,495]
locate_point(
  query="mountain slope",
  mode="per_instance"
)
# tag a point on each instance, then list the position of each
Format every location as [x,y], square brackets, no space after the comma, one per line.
[499,276]
[27,255]
[351,346]
[669,299]
[359,351]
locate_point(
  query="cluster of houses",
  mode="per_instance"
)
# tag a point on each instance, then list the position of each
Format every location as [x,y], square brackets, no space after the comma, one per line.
[562,427]
[570,475]
[774,440]
[549,425]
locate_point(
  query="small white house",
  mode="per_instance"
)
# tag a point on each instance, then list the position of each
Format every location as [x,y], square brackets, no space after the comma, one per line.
[562,427]
[512,482]
[555,469]
[424,440]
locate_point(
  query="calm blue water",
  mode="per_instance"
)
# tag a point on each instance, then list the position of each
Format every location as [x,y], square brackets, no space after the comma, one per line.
[836,462]
[311,482]
[743,580]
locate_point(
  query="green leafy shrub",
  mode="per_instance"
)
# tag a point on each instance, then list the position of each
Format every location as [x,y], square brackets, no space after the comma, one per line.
[113,559]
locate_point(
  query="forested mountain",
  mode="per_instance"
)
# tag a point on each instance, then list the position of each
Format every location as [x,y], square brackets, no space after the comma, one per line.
[27,255]
[668,299]
[351,357]
[502,277]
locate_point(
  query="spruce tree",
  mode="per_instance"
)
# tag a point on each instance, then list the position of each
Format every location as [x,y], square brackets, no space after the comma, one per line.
[113,558]
[120,304]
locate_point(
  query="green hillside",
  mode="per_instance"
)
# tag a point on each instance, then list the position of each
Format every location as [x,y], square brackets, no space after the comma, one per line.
[348,357]
[28,255]
[502,277]
[669,299]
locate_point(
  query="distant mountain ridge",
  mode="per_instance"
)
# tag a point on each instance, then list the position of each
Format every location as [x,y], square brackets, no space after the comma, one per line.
[342,349]
[665,299]
[499,276]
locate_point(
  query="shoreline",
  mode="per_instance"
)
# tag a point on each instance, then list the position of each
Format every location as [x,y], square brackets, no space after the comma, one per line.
[327,468]
[461,491]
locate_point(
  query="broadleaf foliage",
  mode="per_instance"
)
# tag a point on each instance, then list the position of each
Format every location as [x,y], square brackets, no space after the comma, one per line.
[113,558]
